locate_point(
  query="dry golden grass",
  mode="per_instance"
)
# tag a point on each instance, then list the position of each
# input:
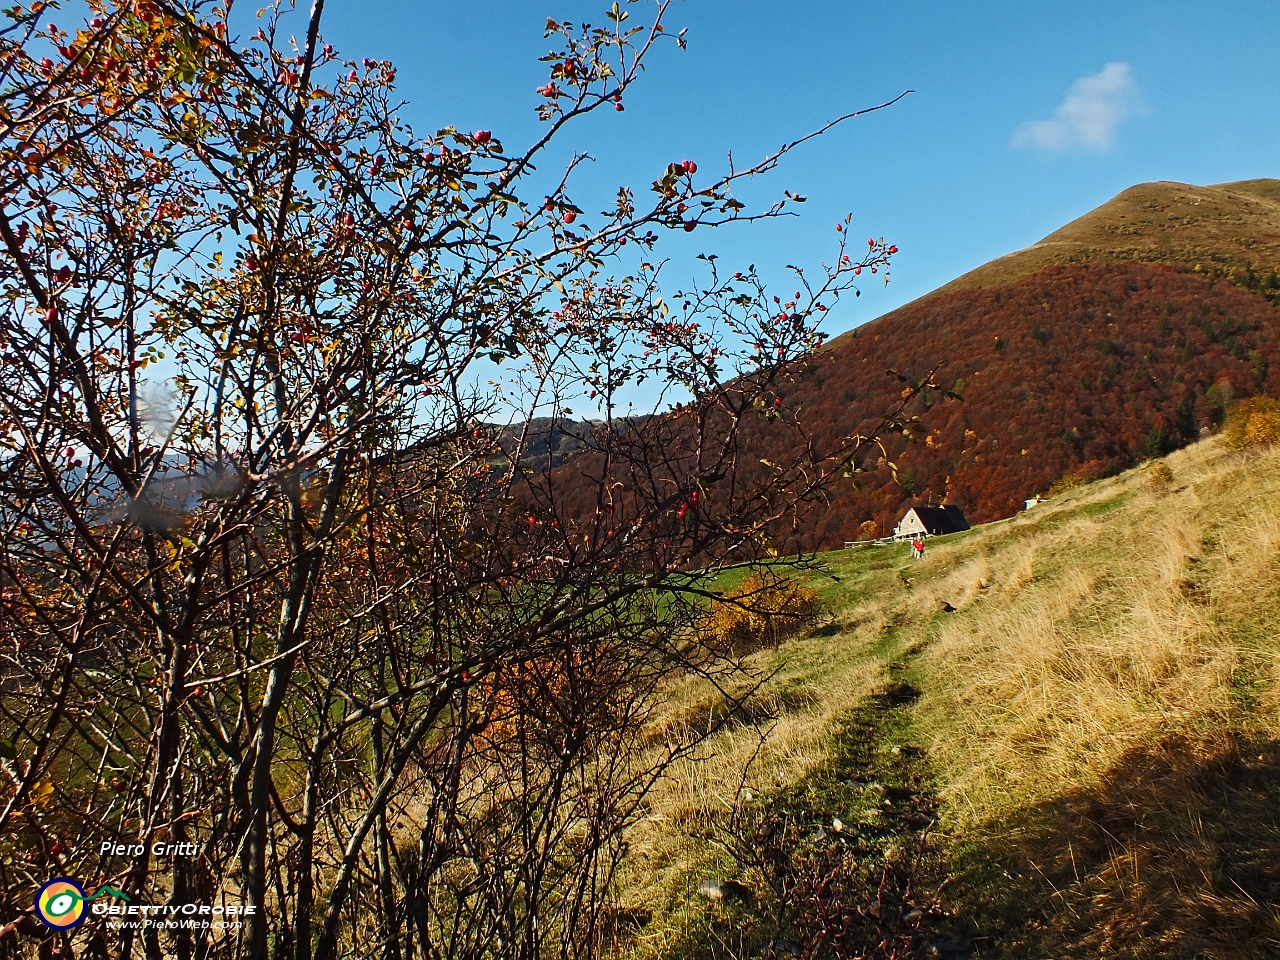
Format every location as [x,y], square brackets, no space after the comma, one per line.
[809,684]
[785,732]
[1162,221]
[1106,714]
[1102,632]
[1103,709]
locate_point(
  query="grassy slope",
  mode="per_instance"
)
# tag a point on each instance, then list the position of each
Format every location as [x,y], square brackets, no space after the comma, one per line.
[1227,225]
[1100,723]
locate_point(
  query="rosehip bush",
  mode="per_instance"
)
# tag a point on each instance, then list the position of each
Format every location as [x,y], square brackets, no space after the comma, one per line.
[274,549]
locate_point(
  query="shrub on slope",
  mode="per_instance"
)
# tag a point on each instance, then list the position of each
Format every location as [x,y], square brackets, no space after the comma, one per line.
[1252,422]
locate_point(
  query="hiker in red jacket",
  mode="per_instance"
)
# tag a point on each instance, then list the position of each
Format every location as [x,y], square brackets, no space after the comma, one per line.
[917,548]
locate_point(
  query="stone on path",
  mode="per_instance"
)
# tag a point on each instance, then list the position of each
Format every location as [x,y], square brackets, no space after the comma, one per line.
[717,890]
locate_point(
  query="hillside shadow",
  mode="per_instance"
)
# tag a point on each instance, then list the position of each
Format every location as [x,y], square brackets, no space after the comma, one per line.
[1175,855]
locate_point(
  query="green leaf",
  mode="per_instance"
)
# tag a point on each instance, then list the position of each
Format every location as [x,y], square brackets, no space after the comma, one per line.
[7,751]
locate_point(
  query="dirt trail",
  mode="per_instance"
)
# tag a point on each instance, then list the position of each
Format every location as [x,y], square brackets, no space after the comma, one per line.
[847,853]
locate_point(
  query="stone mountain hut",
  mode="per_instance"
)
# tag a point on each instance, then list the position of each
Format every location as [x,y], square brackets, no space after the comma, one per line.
[931,521]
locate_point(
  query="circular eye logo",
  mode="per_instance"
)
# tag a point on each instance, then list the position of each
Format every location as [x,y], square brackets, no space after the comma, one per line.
[60,904]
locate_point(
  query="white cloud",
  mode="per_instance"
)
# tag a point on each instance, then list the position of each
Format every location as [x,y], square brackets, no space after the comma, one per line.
[1088,118]
[157,408]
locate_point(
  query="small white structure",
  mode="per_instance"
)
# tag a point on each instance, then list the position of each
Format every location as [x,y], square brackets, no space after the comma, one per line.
[1037,499]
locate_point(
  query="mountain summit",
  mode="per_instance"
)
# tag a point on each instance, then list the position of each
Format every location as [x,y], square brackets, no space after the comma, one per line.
[1219,229]
[1121,336]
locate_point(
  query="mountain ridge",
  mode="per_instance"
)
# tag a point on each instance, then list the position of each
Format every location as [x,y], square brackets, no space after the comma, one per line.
[1150,208]
[1075,359]
[1121,335]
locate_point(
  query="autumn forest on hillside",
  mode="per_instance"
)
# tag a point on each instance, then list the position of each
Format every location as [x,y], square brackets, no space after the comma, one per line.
[1073,373]
[1076,371]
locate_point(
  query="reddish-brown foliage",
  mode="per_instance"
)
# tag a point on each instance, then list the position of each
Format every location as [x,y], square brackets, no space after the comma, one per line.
[1076,371]
[1073,370]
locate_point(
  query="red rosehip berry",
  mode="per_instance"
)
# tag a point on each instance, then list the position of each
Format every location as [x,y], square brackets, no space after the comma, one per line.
[483,136]
[570,216]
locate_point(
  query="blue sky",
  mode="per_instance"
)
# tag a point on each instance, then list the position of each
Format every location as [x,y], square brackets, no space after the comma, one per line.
[1025,115]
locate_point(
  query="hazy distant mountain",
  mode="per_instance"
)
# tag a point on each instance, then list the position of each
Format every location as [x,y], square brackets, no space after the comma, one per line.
[548,441]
